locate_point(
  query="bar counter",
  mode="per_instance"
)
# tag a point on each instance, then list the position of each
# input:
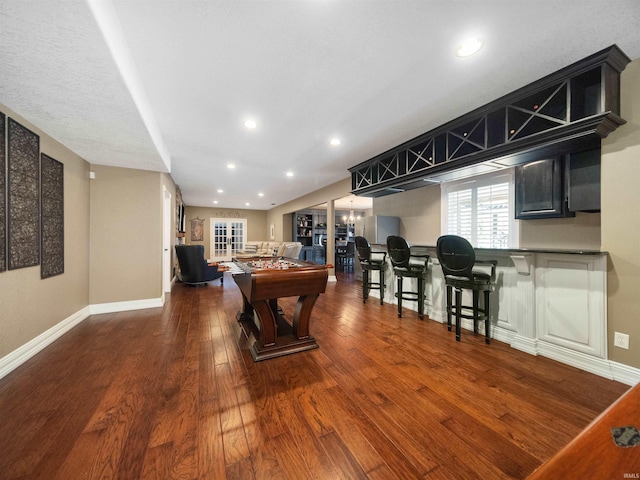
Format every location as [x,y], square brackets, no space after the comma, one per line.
[560,251]
[547,301]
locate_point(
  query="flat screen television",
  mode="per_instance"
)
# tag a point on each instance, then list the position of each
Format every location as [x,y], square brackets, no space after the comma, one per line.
[181,218]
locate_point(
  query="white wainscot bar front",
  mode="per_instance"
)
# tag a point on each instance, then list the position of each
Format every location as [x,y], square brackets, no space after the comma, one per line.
[545,302]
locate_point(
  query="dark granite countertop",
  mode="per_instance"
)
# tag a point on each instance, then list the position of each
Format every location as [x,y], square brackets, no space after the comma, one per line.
[562,251]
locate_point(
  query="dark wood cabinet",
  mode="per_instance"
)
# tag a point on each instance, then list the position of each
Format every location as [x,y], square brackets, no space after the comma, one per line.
[540,191]
[583,180]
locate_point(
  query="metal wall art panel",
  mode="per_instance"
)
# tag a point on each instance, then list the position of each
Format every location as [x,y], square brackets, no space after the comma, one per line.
[3,196]
[23,186]
[52,223]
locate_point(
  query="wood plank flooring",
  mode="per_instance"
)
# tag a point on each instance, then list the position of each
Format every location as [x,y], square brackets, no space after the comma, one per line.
[174,393]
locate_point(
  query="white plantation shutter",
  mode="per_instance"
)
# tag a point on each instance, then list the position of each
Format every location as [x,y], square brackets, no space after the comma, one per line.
[460,211]
[492,216]
[481,210]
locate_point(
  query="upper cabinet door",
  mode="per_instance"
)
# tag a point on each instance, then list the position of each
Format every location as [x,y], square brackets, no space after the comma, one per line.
[540,190]
[583,171]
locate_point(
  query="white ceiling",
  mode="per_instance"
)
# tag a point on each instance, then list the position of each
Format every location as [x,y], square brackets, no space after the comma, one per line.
[174,81]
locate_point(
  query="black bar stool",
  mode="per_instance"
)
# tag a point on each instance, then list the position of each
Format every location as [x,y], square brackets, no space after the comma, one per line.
[370,261]
[407,265]
[457,259]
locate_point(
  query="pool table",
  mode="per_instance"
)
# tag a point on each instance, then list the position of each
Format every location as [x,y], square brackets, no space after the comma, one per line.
[265,279]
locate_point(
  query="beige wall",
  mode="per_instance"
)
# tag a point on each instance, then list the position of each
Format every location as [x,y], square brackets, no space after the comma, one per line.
[581,232]
[256,223]
[126,235]
[282,219]
[419,212]
[280,216]
[620,223]
[28,305]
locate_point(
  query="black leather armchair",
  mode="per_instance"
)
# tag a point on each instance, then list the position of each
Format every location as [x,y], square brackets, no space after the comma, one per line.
[194,269]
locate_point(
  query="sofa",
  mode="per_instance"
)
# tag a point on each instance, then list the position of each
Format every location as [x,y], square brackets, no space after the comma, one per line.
[194,269]
[270,249]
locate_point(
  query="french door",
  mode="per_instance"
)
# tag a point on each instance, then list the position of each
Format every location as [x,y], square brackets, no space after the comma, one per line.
[227,237]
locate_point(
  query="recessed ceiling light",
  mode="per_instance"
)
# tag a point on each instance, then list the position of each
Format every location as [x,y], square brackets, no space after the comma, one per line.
[250,123]
[230,166]
[261,194]
[220,190]
[247,204]
[469,47]
[289,174]
[335,142]
[215,201]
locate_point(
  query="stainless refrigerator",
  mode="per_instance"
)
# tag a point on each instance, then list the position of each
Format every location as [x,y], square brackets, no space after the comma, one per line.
[377,228]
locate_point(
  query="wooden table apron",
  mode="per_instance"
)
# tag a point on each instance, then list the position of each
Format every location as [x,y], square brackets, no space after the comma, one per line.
[261,290]
[594,453]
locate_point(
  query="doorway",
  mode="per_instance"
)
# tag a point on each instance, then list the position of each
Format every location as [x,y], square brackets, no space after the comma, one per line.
[166,241]
[226,238]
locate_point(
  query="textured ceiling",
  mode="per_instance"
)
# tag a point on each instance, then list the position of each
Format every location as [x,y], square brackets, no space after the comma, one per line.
[169,88]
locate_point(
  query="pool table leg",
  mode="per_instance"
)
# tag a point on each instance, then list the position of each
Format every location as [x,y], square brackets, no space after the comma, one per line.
[302,314]
[267,322]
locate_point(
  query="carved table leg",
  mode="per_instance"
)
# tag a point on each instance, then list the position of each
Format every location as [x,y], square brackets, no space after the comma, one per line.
[302,314]
[267,322]
[247,311]
[275,337]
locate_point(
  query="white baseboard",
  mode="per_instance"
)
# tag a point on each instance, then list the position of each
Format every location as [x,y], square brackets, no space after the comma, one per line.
[624,373]
[125,306]
[21,354]
[525,344]
[588,363]
[332,279]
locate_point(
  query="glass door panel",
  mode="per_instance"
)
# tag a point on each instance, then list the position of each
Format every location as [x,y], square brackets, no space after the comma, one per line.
[227,237]
[238,235]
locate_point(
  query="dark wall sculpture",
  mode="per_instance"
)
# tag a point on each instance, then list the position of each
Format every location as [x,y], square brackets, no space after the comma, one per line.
[52,207]
[31,202]
[23,184]
[3,191]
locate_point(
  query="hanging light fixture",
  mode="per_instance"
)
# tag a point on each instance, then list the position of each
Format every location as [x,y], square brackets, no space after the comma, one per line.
[351,217]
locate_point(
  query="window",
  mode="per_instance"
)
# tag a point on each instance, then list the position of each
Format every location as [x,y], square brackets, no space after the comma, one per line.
[480,209]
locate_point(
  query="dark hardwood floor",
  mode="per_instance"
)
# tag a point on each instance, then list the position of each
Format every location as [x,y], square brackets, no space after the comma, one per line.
[174,393]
